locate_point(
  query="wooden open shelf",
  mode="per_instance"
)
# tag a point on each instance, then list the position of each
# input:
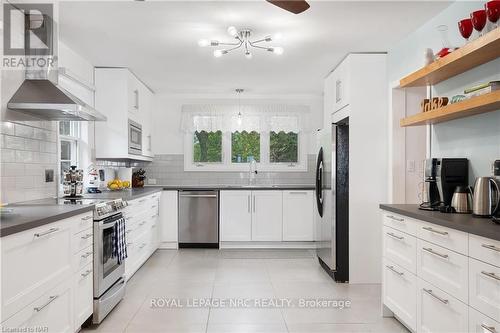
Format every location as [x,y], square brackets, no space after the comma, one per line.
[469,107]
[473,54]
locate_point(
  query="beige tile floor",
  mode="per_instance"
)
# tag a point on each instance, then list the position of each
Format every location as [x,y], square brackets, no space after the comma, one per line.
[212,274]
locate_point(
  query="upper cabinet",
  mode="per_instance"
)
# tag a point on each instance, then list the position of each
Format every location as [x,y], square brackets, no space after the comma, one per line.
[125,100]
[336,89]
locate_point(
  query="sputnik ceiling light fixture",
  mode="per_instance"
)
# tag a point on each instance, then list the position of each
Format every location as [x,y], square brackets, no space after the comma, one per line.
[242,40]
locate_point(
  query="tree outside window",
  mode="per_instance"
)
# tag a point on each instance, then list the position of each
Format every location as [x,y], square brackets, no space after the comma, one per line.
[207,147]
[283,147]
[245,146]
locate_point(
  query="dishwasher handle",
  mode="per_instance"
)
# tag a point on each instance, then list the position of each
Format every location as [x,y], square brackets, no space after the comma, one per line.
[198,195]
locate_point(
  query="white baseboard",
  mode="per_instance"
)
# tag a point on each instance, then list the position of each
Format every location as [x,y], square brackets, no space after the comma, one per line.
[267,245]
[168,246]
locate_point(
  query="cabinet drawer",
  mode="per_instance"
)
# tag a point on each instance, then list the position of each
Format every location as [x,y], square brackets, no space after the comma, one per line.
[449,238]
[443,268]
[83,295]
[52,310]
[401,248]
[82,222]
[401,223]
[439,312]
[484,249]
[83,258]
[484,288]
[33,262]
[82,240]
[399,292]
[479,323]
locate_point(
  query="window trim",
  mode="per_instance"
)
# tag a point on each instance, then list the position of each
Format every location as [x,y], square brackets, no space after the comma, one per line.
[75,146]
[227,166]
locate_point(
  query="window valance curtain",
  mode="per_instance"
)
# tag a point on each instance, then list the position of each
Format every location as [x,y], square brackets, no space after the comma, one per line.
[287,118]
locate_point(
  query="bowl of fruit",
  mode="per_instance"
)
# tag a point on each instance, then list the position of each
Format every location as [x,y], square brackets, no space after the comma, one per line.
[117,184]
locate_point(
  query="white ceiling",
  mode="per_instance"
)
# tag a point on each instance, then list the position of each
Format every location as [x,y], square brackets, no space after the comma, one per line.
[158,40]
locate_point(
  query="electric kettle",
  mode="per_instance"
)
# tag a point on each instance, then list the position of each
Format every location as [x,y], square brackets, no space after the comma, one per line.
[461,202]
[486,199]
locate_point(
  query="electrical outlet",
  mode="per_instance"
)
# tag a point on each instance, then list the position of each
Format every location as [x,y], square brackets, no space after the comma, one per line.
[151,181]
[49,175]
[410,166]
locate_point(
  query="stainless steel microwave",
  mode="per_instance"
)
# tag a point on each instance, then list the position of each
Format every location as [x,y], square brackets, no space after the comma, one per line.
[134,138]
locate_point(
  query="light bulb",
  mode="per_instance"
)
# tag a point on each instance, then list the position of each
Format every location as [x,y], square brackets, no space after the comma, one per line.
[278,50]
[232,31]
[268,39]
[248,55]
[239,121]
[203,42]
[219,53]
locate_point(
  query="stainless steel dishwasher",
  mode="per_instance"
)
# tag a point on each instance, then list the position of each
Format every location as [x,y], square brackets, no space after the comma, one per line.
[199,219]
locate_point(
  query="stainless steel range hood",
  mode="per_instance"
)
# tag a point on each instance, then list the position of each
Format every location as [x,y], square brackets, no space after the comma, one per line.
[42,98]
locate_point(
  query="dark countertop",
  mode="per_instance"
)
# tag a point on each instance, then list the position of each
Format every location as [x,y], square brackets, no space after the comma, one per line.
[127,194]
[32,214]
[464,222]
[235,187]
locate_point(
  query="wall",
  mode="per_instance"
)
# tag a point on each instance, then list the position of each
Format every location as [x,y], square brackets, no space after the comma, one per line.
[478,137]
[168,141]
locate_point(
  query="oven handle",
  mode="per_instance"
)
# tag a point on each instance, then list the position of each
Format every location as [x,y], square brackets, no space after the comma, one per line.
[115,290]
[103,226]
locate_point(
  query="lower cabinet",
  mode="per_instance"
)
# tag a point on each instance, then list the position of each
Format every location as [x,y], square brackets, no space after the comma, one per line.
[235,216]
[484,289]
[266,216]
[479,323]
[83,290]
[399,292]
[298,216]
[52,311]
[439,312]
[168,223]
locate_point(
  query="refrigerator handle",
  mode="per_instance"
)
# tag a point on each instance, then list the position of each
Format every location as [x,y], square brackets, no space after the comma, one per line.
[319,182]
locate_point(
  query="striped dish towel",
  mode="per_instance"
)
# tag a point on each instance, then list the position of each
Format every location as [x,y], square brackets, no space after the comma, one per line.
[119,242]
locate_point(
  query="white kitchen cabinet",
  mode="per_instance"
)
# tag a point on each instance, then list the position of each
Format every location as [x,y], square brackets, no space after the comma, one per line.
[484,288]
[401,248]
[479,323]
[33,262]
[298,216]
[83,296]
[52,310]
[439,312]
[236,216]
[484,249]
[399,292]
[121,96]
[337,89]
[267,216]
[169,219]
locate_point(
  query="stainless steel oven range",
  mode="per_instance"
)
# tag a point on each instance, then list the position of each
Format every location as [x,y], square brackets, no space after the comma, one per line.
[109,282]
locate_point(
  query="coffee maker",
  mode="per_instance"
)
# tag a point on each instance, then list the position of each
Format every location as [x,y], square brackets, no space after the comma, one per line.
[441,177]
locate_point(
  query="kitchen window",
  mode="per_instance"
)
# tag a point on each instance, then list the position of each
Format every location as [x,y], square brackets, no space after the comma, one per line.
[283,147]
[69,136]
[207,147]
[245,147]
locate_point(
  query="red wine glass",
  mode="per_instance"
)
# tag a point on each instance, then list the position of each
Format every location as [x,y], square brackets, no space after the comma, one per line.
[465,27]
[493,12]
[478,20]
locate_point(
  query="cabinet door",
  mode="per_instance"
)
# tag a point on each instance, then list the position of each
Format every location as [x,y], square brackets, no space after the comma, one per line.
[329,99]
[83,291]
[134,97]
[479,323]
[298,216]
[400,248]
[439,312]
[341,84]
[400,292]
[168,216]
[484,288]
[235,216]
[33,262]
[267,216]
[145,116]
[53,311]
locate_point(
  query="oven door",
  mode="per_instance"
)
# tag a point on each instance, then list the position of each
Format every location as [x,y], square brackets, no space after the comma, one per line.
[134,138]
[106,268]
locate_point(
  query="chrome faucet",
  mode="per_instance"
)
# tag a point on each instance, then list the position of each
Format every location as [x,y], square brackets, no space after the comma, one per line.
[252,172]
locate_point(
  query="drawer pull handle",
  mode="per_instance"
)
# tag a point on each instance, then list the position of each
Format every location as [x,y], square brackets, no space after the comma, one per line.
[395,236]
[86,218]
[435,231]
[51,230]
[141,201]
[491,275]
[142,223]
[87,236]
[40,308]
[86,255]
[442,300]
[86,273]
[490,329]
[395,218]
[491,247]
[128,244]
[142,245]
[395,271]
[444,256]
[298,192]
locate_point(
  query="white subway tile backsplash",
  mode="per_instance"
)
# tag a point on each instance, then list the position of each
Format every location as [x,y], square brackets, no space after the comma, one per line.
[33,145]
[12,169]
[33,169]
[24,131]
[8,155]
[24,156]
[14,142]
[7,128]
[48,147]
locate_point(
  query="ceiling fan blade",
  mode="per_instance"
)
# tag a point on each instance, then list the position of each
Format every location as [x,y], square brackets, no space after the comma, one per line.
[294,6]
